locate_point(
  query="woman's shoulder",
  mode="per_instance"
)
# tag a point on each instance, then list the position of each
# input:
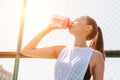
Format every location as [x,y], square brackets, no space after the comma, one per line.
[97,57]
[97,54]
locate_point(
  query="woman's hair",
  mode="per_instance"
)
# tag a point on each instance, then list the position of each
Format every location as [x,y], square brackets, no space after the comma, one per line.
[95,36]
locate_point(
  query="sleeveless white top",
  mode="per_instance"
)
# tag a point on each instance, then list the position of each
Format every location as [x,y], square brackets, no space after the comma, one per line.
[72,63]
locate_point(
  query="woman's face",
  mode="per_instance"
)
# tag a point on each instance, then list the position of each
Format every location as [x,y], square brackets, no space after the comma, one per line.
[78,26]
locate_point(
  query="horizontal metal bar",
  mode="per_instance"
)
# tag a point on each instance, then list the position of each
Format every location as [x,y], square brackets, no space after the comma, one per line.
[8,54]
[112,53]
[11,55]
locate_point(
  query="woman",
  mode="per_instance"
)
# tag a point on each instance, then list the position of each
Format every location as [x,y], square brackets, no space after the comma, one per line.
[79,62]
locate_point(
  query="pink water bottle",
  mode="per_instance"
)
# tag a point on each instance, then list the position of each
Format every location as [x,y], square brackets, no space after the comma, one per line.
[60,21]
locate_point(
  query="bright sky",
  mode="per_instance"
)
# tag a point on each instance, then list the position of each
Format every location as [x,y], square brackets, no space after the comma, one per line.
[105,12]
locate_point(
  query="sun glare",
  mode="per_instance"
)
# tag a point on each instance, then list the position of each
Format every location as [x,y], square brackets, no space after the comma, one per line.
[36,15]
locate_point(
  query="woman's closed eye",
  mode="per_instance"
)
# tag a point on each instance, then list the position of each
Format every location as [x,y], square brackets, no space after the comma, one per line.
[75,22]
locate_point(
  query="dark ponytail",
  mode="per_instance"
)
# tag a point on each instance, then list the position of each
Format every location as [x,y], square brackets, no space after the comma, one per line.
[97,42]
[95,36]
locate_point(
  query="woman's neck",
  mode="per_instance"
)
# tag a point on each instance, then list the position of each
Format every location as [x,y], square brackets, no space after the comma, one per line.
[80,42]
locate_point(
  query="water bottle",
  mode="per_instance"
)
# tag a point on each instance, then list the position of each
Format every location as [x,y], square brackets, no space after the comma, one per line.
[60,21]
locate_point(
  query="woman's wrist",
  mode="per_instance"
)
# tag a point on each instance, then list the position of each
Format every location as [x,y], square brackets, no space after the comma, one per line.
[47,30]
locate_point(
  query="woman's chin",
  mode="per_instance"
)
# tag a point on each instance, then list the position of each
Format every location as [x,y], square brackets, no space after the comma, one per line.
[70,31]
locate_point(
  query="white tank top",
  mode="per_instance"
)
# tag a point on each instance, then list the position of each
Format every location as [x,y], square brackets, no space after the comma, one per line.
[72,63]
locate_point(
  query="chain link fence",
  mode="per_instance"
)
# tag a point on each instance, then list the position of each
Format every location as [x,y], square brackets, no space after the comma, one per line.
[105,12]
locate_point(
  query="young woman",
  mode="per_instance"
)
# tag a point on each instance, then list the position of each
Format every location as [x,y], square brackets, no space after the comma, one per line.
[79,62]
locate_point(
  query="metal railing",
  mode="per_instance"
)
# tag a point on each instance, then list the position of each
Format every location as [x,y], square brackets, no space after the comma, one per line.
[13,54]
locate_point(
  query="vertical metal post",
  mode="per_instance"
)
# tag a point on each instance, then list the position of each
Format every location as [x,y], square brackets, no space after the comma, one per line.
[20,36]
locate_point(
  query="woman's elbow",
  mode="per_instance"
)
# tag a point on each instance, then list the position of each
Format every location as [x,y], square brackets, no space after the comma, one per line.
[24,52]
[28,52]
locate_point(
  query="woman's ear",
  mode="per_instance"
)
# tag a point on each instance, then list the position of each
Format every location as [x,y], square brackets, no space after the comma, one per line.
[88,27]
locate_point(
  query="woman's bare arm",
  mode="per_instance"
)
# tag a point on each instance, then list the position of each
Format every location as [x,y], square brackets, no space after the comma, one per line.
[98,73]
[47,52]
